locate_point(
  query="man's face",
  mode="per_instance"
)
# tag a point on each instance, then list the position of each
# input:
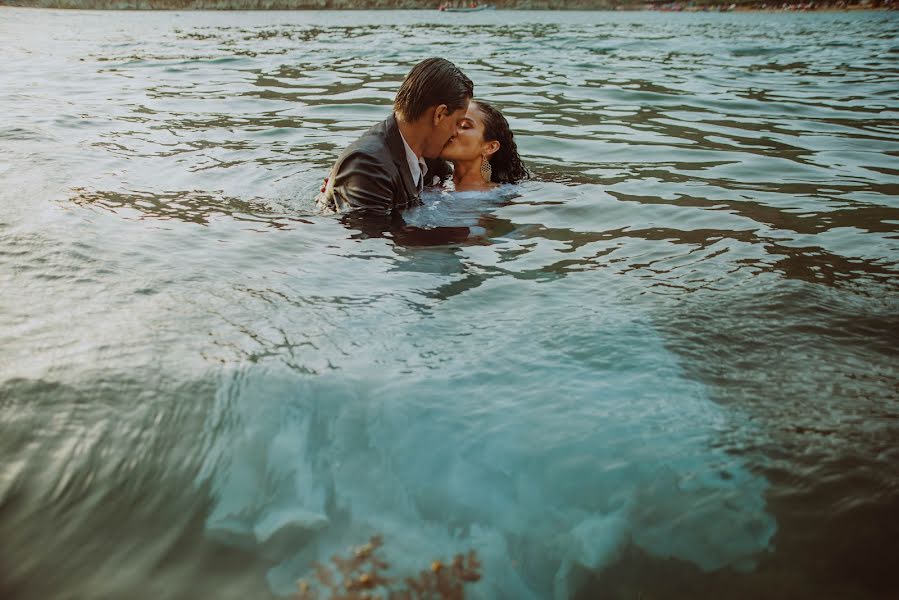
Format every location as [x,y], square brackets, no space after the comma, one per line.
[445,127]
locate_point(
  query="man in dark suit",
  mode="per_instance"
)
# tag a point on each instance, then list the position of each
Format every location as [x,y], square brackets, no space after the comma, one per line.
[384,171]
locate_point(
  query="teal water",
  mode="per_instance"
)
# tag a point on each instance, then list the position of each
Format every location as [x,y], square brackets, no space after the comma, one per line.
[664,368]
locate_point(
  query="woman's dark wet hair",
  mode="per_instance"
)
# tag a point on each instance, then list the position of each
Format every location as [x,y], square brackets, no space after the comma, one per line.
[432,82]
[505,163]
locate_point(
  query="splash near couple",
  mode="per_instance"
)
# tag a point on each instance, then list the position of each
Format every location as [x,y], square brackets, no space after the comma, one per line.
[437,136]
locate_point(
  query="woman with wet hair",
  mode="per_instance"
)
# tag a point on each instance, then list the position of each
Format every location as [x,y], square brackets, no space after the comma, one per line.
[483,151]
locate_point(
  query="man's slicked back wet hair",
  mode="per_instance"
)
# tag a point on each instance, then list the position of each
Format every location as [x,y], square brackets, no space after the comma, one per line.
[432,82]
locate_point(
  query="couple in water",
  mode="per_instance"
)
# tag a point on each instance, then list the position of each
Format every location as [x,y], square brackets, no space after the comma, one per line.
[437,135]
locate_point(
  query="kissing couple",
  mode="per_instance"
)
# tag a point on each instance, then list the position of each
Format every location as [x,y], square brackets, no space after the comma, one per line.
[437,135]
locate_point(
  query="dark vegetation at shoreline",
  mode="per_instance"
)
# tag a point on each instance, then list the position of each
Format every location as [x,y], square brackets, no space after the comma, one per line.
[663,5]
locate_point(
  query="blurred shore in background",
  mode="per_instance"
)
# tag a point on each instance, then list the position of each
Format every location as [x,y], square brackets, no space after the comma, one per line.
[660,5]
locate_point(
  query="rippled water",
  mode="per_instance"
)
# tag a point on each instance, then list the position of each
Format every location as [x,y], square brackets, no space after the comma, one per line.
[666,367]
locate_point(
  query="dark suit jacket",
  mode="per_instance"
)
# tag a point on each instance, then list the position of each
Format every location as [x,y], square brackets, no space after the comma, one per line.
[373,174]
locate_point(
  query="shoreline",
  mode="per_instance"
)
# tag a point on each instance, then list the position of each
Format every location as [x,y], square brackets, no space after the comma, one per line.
[505,5]
[362,9]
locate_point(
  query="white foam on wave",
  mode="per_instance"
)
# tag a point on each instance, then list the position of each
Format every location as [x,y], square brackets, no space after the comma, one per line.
[546,453]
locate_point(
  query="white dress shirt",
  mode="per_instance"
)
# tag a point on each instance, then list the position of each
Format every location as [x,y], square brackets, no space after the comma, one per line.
[417,165]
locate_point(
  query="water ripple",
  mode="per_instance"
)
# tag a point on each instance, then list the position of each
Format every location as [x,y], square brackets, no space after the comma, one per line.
[700,279]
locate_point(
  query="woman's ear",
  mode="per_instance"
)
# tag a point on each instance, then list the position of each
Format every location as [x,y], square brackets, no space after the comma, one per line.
[490,148]
[440,113]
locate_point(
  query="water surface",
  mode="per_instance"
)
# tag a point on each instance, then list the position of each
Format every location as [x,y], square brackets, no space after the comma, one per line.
[666,367]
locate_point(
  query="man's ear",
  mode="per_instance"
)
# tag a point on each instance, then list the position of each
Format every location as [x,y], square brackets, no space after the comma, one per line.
[441,111]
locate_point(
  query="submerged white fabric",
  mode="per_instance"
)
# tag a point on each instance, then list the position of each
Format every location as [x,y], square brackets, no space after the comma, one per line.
[417,164]
[545,472]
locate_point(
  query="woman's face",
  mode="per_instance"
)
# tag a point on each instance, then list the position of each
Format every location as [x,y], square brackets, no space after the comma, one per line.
[468,143]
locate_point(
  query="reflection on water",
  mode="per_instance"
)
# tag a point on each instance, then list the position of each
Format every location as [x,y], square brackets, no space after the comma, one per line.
[187,206]
[664,367]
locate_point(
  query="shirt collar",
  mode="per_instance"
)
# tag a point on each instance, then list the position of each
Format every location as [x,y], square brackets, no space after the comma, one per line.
[417,164]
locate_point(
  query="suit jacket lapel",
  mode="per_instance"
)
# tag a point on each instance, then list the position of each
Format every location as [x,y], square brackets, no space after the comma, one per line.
[398,152]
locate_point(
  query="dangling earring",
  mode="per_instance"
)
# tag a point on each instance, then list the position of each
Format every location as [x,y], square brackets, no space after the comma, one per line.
[486,169]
